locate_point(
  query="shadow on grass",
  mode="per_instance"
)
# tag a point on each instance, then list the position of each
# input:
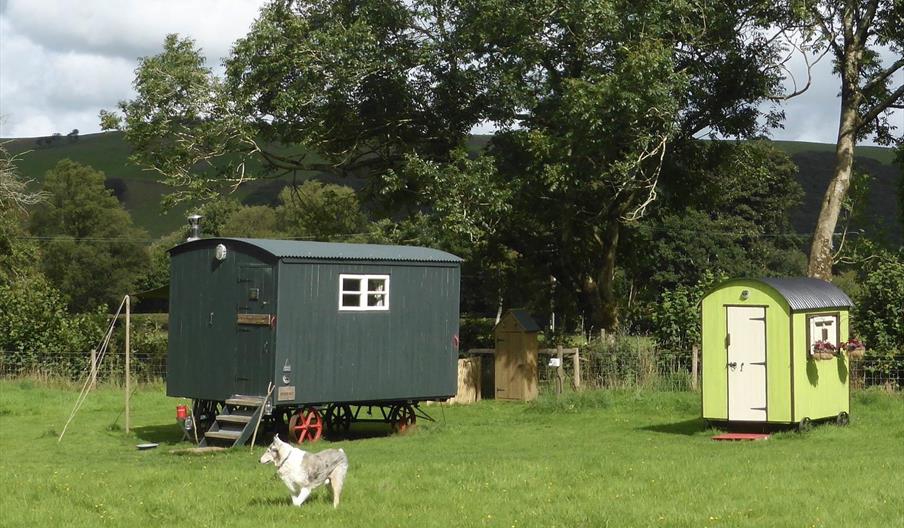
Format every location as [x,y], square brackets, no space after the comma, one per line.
[271,501]
[685,428]
[322,497]
[172,434]
[159,434]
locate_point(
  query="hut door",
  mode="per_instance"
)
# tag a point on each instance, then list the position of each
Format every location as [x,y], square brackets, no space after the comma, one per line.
[746,363]
[254,329]
[508,347]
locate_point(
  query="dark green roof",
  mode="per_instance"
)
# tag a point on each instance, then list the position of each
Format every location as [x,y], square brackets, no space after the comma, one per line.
[333,250]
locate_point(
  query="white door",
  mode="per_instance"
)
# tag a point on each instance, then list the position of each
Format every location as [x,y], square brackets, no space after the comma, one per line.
[746,363]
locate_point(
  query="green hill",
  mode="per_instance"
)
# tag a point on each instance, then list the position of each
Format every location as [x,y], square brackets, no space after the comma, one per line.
[140,192]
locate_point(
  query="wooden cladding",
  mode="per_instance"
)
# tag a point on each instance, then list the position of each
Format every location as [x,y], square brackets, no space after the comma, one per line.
[254,319]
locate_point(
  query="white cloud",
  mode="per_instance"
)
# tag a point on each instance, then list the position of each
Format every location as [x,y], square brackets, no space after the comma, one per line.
[63,61]
[131,29]
[814,115]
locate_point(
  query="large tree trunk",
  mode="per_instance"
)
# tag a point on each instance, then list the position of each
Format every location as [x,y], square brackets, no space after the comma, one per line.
[820,265]
[605,313]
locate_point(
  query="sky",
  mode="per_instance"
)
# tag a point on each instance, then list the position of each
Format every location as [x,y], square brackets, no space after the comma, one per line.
[62,61]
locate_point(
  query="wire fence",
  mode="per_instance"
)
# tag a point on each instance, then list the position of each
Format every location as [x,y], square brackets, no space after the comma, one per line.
[75,366]
[625,372]
[632,364]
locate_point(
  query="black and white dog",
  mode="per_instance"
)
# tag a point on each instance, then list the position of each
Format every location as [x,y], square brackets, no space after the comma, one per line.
[302,471]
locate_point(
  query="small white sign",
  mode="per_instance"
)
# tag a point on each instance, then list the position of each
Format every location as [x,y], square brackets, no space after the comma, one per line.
[554,362]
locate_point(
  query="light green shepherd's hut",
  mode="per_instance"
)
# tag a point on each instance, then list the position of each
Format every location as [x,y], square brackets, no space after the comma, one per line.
[758,357]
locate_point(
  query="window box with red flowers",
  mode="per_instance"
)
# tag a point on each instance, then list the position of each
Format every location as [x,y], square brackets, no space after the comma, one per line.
[823,350]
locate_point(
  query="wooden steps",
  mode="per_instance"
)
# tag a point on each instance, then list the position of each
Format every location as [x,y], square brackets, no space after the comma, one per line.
[236,423]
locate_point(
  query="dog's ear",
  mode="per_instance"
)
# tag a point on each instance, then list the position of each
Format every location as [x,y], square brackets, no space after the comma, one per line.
[276,439]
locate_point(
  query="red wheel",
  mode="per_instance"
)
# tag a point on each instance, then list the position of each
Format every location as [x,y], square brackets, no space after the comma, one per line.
[306,425]
[403,418]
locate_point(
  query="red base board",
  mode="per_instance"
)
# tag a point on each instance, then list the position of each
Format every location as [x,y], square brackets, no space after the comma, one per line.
[741,436]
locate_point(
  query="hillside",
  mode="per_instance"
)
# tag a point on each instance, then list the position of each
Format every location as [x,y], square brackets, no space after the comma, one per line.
[140,192]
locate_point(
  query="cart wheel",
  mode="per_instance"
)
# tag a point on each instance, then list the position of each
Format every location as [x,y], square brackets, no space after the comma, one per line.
[204,413]
[403,418]
[804,425]
[338,418]
[843,419]
[306,425]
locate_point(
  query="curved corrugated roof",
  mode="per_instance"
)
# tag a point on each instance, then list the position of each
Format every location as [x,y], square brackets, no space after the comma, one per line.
[337,251]
[804,293]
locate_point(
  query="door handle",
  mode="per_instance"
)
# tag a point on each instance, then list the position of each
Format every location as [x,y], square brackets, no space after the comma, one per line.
[733,365]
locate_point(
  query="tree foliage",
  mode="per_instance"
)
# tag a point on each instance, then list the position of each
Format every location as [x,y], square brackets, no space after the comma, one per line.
[18,254]
[586,98]
[879,313]
[90,250]
[37,332]
[318,211]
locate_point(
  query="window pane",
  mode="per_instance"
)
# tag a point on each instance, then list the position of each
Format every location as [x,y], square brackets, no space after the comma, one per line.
[351,284]
[351,300]
[376,299]
[376,285]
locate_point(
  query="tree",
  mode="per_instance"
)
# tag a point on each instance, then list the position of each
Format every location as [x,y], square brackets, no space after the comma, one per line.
[899,159]
[91,251]
[37,332]
[319,211]
[587,97]
[256,221]
[18,254]
[854,32]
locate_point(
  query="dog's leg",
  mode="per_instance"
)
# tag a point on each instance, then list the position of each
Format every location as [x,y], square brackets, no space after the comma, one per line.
[337,478]
[299,499]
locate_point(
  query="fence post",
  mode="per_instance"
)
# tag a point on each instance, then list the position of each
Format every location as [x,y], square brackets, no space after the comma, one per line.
[560,371]
[695,352]
[93,368]
[577,369]
[128,310]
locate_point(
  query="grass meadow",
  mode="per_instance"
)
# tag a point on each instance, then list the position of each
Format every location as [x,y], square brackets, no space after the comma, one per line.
[597,459]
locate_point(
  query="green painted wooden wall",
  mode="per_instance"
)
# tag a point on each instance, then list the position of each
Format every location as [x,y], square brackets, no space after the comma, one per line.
[209,356]
[820,389]
[408,352]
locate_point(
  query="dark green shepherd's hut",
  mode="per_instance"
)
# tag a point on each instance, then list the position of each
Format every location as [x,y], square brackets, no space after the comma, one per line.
[329,325]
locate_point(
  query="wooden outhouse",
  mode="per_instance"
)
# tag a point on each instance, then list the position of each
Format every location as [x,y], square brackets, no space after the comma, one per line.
[516,356]
[758,361]
[323,322]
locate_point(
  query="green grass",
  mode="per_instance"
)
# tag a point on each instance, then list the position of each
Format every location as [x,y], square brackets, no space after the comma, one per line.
[601,459]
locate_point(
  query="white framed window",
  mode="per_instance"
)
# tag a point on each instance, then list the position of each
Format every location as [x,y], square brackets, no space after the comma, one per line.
[363,292]
[823,328]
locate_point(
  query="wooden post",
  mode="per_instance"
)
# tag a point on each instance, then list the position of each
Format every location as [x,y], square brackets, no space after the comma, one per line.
[577,369]
[560,371]
[128,385]
[93,368]
[695,351]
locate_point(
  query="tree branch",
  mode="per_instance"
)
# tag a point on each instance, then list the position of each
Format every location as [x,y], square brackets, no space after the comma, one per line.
[884,74]
[864,24]
[881,106]
[809,64]
[828,31]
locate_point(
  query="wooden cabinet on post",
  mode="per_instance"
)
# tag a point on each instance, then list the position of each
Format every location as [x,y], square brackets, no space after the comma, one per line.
[516,356]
